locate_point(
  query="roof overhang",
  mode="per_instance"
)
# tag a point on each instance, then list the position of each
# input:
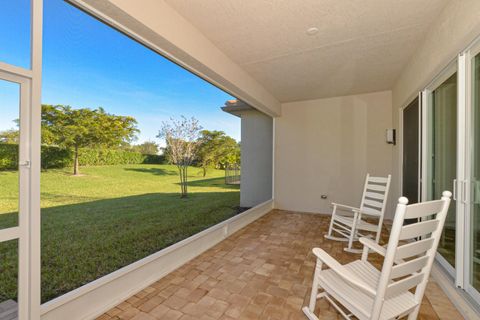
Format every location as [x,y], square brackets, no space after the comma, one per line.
[236,107]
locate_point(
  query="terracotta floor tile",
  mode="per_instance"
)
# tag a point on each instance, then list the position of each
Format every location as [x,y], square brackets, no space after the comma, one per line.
[233,312]
[159,311]
[128,313]
[217,309]
[172,315]
[220,294]
[143,316]
[264,271]
[175,302]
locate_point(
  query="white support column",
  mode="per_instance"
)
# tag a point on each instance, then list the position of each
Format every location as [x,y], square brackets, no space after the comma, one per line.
[424,140]
[33,238]
[460,230]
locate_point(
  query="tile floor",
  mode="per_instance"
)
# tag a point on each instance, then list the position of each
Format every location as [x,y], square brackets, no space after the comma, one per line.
[264,271]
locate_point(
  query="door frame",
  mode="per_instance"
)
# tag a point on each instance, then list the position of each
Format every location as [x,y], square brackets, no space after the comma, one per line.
[458,188]
[468,55]
[28,232]
[21,231]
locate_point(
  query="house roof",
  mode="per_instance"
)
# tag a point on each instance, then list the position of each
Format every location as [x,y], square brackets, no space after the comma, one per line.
[236,107]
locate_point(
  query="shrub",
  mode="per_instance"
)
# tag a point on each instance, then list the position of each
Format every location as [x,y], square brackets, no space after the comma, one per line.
[56,157]
[100,157]
[8,156]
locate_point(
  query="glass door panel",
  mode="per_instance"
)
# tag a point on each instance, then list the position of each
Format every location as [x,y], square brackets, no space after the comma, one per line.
[14,202]
[9,153]
[475,194]
[411,146]
[9,279]
[443,156]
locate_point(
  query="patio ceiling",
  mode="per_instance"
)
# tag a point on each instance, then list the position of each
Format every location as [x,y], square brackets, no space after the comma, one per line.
[361,46]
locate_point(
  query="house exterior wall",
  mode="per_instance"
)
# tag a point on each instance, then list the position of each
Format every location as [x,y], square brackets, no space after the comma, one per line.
[453,30]
[327,146]
[256,159]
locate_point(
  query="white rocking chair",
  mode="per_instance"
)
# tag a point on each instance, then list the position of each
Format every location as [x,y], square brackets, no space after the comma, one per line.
[387,294]
[347,224]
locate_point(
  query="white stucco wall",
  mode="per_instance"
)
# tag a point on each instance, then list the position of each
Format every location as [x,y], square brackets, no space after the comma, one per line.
[256,160]
[327,146]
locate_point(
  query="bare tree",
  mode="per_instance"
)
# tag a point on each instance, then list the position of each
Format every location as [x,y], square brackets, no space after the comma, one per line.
[182,139]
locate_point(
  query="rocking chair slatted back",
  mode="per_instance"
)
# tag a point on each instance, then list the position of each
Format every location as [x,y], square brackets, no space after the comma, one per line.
[417,211]
[374,196]
[413,248]
[402,286]
[419,229]
[376,187]
[408,265]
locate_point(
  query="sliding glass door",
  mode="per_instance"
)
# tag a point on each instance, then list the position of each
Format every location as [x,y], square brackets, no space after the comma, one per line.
[451,161]
[473,228]
[442,156]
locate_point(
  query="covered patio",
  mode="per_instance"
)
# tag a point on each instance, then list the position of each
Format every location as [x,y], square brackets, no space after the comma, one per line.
[263,271]
[343,89]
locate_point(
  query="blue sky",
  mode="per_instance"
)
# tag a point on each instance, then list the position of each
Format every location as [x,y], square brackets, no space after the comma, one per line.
[88,64]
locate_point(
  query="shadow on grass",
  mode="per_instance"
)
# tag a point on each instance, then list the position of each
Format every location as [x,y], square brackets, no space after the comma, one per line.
[154,171]
[82,242]
[212,182]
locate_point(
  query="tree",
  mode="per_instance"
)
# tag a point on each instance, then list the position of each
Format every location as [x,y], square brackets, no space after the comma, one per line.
[217,150]
[10,136]
[85,128]
[181,137]
[148,147]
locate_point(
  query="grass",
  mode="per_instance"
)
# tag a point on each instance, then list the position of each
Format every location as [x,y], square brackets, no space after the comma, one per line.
[108,218]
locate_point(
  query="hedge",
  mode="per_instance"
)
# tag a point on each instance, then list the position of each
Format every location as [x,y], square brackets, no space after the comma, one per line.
[8,156]
[55,157]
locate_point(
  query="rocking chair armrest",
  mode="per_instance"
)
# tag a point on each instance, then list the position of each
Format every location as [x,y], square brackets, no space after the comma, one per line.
[343,272]
[345,206]
[366,213]
[373,245]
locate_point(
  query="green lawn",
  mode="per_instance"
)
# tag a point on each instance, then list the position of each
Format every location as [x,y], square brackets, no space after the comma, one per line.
[110,217]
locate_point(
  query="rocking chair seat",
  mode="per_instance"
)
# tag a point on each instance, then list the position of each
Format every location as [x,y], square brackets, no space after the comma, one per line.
[361,224]
[358,302]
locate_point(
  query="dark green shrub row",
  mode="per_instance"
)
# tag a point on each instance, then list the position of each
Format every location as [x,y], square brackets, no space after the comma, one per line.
[101,157]
[8,156]
[55,157]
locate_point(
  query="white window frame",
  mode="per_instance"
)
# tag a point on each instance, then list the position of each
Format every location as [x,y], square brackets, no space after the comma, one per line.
[28,230]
